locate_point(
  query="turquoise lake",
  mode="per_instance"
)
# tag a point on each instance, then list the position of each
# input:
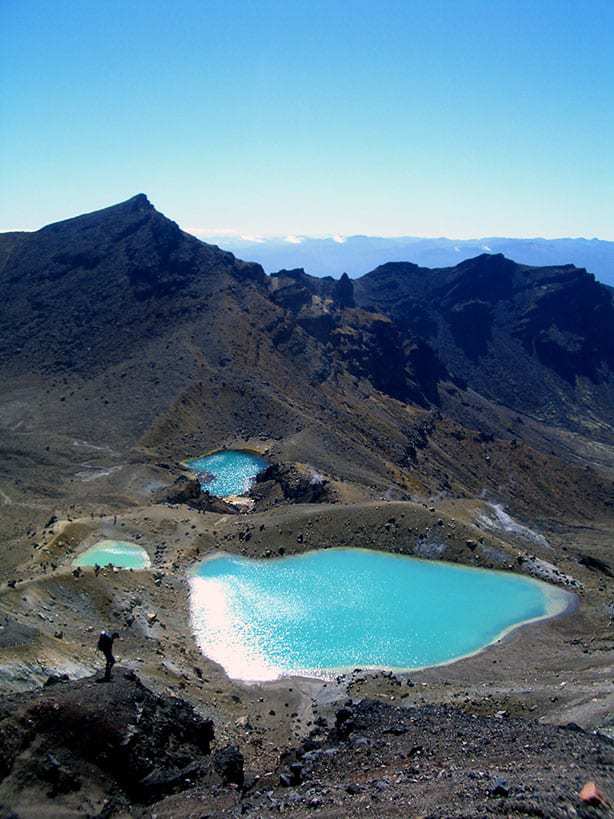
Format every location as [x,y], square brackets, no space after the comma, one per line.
[120,553]
[337,609]
[231,471]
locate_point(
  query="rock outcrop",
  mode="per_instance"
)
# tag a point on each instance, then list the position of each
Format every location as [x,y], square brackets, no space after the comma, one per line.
[293,483]
[189,491]
[117,738]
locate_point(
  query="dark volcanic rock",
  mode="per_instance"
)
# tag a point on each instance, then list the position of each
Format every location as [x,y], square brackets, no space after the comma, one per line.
[189,491]
[119,734]
[183,490]
[371,347]
[54,679]
[343,292]
[441,761]
[596,564]
[118,266]
[291,289]
[524,336]
[228,763]
[293,483]
[367,343]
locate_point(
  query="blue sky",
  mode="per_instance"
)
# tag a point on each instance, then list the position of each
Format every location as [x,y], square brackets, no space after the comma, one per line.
[463,118]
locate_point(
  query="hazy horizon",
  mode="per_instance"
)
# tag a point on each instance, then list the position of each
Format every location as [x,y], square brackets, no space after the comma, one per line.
[298,237]
[234,234]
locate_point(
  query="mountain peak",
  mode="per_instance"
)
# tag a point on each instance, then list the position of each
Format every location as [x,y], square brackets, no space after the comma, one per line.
[139,202]
[140,199]
[486,260]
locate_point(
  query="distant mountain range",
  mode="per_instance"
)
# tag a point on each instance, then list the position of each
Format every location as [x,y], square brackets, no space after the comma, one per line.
[357,255]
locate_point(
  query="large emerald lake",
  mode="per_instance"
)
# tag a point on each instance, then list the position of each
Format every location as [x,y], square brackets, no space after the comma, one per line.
[336,609]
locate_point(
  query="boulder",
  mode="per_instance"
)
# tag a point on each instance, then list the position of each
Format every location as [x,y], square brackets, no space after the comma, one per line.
[293,483]
[228,763]
[190,492]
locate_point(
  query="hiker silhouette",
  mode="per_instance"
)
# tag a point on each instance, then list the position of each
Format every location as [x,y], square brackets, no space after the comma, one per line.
[105,644]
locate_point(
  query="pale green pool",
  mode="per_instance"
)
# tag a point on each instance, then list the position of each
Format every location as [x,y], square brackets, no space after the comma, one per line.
[120,553]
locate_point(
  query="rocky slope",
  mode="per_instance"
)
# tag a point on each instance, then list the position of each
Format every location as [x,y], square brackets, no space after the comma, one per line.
[94,285]
[437,761]
[127,343]
[537,340]
[101,287]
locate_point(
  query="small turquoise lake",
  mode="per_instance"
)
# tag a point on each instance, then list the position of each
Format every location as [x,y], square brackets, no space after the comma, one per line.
[332,610]
[120,553]
[228,472]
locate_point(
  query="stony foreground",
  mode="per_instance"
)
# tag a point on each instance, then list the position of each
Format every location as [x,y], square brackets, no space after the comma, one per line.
[88,748]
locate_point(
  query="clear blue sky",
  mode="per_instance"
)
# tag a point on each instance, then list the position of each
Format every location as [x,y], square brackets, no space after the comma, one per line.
[413,117]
